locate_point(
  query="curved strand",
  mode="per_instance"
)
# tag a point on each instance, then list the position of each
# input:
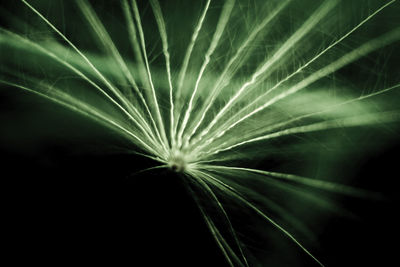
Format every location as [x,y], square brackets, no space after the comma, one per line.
[105,38]
[150,79]
[223,20]
[226,188]
[226,75]
[239,113]
[332,67]
[185,63]
[87,111]
[48,53]
[318,184]
[356,121]
[320,13]
[163,33]
[209,191]
[113,89]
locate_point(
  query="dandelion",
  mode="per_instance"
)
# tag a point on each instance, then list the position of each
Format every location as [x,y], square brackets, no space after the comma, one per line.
[235,97]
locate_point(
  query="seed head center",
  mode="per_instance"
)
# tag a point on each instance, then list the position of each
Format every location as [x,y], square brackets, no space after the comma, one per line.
[177,162]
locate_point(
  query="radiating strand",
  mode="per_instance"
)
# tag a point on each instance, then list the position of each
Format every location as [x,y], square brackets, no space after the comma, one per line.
[98,73]
[226,188]
[142,126]
[272,205]
[148,169]
[105,38]
[315,76]
[139,56]
[185,63]
[286,215]
[317,200]
[288,122]
[155,158]
[221,242]
[134,41]
[238,115]
[210,224]
[319,184]
[163,33]
[210,192]
[88,111]
[153,91]
[356,121]
[226,75]
[307,26]
[222,22]
[113,89]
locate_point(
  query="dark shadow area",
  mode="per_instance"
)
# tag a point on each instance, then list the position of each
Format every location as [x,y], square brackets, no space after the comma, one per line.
[70,196]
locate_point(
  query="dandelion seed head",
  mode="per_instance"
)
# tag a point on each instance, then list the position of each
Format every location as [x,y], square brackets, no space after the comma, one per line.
[249,80]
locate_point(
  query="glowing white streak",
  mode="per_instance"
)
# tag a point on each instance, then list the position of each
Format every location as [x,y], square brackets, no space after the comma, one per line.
[48,53]
[109,85]
[319,184]
[105,38]
[215,233]
[300,33]
[223,20]
[268,202]
[182,73]
[226,188]
[142,76]
[228,125]
[143,46]
[282,124]
[223,80]
[89,112]
[163,33]
[344,60]
[209,191]
[370,119]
